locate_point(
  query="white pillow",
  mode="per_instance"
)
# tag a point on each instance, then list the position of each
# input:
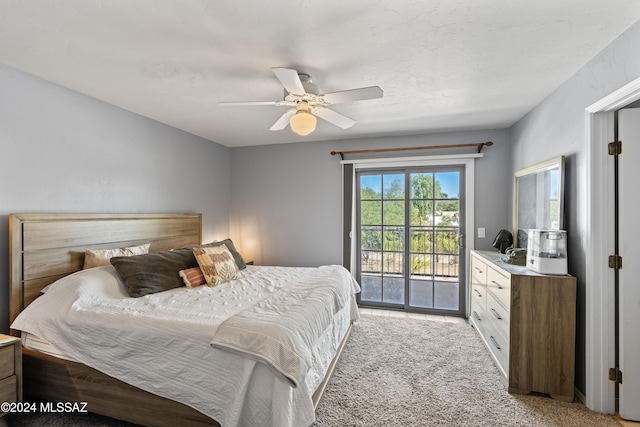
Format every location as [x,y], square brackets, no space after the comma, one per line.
[101,257]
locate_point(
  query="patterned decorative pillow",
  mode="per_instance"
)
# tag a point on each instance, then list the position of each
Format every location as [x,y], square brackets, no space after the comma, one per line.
[216,263]
[101,257]
[192,277]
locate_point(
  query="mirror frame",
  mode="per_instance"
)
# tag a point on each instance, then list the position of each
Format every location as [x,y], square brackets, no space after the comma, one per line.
[556,162]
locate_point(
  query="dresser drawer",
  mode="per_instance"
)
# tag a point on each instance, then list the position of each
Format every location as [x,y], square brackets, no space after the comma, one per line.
[478,271]
[498,316]
[7,362]
[478,292]
[478,310]
[498,345]
[8,389]
[500,286]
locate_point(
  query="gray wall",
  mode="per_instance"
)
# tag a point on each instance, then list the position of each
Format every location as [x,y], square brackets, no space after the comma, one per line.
[557,127]
[65,152]
[286,206]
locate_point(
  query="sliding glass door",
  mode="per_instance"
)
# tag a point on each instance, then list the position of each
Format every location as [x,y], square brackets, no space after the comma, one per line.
[409,229]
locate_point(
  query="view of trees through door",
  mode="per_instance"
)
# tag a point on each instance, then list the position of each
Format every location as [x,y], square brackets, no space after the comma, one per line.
[409,230]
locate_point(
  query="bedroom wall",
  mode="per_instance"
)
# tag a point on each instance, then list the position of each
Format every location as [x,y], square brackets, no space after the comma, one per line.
[557,127]
[64,152]
[286,205]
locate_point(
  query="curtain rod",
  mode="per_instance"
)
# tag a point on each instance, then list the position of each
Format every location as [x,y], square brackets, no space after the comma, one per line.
[480,146]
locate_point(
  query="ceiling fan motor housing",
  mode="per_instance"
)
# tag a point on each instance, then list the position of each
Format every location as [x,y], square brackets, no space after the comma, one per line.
[307,84]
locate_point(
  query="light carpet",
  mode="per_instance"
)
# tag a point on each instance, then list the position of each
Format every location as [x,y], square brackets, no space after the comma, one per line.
[413,372]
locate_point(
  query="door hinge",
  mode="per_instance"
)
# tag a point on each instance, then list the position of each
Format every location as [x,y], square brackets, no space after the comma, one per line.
[615,148]
[615,261]
[615,375]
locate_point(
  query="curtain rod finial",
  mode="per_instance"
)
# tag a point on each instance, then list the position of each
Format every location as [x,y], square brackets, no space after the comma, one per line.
[484,144]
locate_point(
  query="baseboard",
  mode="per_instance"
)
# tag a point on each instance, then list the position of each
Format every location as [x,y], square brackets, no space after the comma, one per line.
[581,397]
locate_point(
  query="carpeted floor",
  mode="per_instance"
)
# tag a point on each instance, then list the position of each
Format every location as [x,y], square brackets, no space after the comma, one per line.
[408,372]
[412,372]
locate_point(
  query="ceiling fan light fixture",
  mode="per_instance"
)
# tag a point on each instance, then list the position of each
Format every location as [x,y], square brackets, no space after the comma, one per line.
[303,122]
[301,93]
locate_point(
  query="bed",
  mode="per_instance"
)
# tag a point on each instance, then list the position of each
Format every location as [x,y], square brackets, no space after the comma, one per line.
[47,252]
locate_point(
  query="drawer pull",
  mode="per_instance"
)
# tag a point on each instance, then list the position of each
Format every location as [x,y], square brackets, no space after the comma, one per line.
[495,342]
[497,284]
[479,271]
[475,314]
[478,292]
[495,313]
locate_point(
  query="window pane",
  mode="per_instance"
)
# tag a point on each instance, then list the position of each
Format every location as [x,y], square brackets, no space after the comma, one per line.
[371,238]
[393,290]
[421,293]
[393,239]
[370,186]
[393,186]
[421,240]
[421,186]
[447,185]
[393,263]
[393,213]
[447,242]
[421,212]
[446,295]
[447,213]
[371,261]
[421,265]
[371,288]
[446,266]
[371,213]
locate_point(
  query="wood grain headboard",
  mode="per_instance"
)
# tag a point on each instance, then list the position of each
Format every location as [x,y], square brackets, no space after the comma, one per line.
[46,247]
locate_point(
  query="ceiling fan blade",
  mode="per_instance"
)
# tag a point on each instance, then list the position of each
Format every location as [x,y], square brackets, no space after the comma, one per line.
[242,103]
[290,80]
[334,117]
[361,94]
[283,121]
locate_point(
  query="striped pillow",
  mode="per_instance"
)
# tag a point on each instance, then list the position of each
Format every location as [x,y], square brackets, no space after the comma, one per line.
[102,257]
[192,277]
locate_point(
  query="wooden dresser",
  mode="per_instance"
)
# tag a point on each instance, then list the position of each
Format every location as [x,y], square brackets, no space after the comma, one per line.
[527,321]
[10,369]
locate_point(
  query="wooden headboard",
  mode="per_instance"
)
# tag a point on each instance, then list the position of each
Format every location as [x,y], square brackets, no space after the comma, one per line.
[46,247]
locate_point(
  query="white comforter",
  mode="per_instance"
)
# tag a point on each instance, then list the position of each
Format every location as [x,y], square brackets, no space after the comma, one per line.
[161,342]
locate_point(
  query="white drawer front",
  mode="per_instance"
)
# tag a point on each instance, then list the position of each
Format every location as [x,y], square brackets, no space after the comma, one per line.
[497,315]
[498,346]
[478,271]
[478,310]
[500,286]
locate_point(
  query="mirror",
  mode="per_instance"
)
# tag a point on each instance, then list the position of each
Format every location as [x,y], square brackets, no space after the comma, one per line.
[538,199]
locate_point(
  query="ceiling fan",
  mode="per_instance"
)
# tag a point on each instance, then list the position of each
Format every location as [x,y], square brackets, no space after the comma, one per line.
[306,102]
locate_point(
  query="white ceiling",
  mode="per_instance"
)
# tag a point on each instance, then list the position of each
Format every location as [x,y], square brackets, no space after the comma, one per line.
[443,64]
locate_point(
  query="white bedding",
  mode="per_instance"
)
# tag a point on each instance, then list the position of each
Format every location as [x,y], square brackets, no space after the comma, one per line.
[161,342]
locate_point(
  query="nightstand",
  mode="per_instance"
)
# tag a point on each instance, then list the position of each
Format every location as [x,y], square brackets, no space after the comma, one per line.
[10,369]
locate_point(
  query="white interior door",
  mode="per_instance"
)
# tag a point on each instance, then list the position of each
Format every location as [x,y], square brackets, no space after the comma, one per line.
[629,240]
